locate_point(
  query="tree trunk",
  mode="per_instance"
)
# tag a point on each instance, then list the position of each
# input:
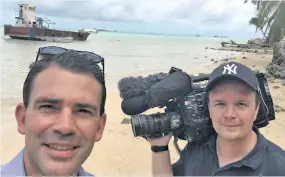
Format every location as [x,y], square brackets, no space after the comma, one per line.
[277,66]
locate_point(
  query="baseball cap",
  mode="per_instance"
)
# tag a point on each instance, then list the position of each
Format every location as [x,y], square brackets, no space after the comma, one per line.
[233,70]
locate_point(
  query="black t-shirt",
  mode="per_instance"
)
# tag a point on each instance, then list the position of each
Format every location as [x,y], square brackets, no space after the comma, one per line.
[200,159]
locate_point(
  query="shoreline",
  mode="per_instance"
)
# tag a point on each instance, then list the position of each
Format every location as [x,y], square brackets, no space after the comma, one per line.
[133,156]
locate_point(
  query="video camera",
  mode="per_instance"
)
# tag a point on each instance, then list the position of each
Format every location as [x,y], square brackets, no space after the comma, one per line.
[186,111]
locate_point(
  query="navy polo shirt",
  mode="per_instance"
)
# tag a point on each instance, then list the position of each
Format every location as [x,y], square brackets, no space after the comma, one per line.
[200,159]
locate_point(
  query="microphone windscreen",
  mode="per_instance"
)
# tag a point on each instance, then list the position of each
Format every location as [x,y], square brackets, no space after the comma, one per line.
[134,105]
[134,86]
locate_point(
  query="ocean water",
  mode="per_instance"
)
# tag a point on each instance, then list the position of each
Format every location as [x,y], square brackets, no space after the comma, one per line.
[125,55]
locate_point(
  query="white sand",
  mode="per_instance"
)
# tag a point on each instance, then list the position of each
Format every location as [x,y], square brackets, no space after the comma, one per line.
[121,154]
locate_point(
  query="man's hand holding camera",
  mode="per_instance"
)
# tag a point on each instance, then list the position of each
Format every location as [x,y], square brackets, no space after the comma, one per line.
[161,141]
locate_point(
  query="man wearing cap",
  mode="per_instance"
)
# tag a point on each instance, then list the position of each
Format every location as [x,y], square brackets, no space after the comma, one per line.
[236,148]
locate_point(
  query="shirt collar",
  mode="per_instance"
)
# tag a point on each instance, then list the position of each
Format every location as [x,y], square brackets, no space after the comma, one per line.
[16,167]
[252,159]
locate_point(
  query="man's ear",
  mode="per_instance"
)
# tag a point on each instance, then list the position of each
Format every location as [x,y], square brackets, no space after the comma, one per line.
[207,103]
[101,127]
[20,114]
[257,111]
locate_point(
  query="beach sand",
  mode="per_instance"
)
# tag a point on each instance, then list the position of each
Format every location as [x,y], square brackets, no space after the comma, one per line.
[119,153]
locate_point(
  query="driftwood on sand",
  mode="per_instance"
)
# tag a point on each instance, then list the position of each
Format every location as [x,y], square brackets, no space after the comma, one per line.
[257,46]
[252,46]
[276,68]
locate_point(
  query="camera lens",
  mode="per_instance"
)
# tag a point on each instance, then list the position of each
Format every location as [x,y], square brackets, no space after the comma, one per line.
[154,125]
[136,122]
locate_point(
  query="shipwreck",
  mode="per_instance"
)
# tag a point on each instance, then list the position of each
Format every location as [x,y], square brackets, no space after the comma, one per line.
[30,27]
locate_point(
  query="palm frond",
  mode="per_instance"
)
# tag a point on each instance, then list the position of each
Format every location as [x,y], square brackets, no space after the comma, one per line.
[271,16]
[277,26]
[267,9]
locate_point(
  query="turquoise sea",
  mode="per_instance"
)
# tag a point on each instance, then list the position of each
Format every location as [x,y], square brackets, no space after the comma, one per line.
[125,55]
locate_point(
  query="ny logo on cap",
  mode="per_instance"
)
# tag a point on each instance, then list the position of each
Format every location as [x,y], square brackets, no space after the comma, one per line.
[230,69]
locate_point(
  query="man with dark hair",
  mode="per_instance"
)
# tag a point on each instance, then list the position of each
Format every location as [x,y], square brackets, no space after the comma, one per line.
[62,116]
[236,148]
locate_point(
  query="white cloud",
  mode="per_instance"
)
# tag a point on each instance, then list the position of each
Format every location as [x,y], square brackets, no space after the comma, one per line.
[201,14]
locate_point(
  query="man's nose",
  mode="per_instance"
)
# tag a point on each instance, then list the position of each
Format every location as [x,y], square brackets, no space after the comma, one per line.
[230,112]
[65,123]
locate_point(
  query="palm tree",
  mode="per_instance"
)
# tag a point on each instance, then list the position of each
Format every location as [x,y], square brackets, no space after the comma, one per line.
[270,19]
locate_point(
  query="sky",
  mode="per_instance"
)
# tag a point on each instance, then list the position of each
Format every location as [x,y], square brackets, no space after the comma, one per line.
[186,17]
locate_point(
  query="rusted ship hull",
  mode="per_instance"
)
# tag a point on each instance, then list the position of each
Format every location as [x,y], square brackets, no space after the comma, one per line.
[40,34]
